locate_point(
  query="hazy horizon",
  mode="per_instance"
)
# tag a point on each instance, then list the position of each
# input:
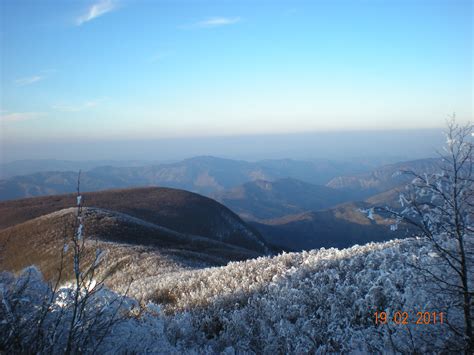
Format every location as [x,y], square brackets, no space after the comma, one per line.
[332,145]
[115,71]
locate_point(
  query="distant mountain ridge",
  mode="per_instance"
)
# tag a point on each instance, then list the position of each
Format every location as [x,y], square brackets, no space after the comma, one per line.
[290,213]
[384,178]
[204,175]
[26,167]
[261,199]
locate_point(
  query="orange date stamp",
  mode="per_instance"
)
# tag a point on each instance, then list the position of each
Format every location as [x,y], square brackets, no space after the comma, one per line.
[403,318]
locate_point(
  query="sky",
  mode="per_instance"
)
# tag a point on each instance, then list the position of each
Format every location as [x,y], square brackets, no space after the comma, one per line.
[115,70]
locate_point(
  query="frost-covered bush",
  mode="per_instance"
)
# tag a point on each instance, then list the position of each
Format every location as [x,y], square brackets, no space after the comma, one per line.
[316,301]
[327,302]
[35,318]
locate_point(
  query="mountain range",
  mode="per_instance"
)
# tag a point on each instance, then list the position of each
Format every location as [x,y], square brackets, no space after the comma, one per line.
[280,208]
[204,175]
[383,178]
[31,166]
[262,199]
[198,277]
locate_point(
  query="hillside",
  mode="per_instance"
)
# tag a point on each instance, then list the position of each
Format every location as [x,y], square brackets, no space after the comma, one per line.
[262,199]
[178,210]
[321,301]
[128,241]
[384,178]
[341,227]
[205,175]
[389,198]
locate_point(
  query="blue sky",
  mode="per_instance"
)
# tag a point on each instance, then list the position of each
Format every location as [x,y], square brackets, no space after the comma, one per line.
[106,69]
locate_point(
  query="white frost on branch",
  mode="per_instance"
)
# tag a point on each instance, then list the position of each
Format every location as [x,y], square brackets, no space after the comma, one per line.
[99,254]
[402,199]
[369,212]
[79,232]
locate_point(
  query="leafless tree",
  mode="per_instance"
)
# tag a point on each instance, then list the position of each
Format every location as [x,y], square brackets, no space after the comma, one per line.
[55,319]
[440,208]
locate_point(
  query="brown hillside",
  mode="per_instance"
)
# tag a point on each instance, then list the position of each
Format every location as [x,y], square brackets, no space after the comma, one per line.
[39,242]
[179,210]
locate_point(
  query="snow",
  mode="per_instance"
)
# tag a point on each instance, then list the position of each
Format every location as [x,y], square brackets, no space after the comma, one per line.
[315,301]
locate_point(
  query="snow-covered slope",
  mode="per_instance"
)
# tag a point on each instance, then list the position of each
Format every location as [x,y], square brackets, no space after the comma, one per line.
[316,301]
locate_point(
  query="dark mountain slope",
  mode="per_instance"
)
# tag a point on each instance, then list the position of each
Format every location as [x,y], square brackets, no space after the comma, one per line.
[339,227]
[179,210]
[262,199]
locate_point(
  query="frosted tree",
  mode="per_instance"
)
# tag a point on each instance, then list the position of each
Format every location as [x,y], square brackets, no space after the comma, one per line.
[440,207]
[84,288]
[36,317]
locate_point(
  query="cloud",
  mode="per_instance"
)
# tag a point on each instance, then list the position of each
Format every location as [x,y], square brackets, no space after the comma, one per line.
[78,107]
[28,80]
[215,22]
[98,9]
[20,116]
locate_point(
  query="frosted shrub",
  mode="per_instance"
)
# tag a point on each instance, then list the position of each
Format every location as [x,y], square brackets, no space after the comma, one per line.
[317,301]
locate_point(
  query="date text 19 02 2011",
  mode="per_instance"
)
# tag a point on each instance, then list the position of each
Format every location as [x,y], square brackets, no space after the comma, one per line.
[401,318]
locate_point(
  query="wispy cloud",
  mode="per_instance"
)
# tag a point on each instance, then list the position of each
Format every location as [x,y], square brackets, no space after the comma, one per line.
[77,107]
[20,116]
[28,80]
[98,9]
[215,22]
